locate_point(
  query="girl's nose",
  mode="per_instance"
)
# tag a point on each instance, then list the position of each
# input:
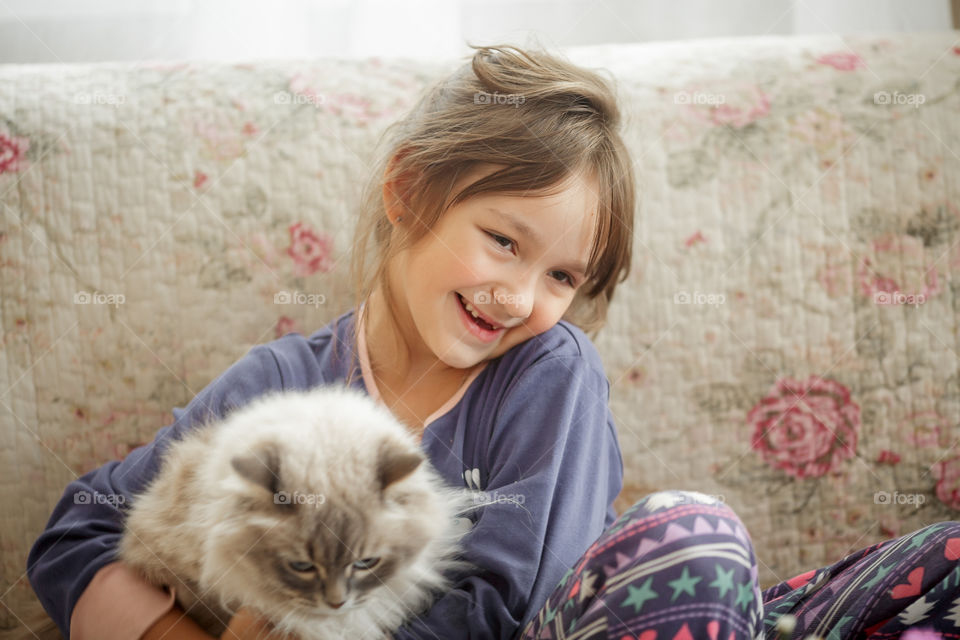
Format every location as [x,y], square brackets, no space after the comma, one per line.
[517,301]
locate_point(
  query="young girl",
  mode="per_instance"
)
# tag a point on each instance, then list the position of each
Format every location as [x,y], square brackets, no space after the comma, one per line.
[498,226]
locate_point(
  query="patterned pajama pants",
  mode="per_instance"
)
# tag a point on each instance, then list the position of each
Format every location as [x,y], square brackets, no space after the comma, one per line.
[680,566]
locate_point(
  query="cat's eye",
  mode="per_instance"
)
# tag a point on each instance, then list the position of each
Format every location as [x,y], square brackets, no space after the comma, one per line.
[366,564]
[301,567]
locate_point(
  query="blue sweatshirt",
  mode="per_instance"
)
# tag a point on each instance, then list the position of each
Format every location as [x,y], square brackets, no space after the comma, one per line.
[533,427]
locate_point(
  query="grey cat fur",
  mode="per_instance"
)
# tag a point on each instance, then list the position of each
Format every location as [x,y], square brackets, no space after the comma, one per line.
[324,476]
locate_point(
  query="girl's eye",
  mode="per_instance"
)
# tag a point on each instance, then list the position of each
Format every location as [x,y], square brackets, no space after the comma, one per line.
[505,243]
[497,238]
[366,564]
[301,567]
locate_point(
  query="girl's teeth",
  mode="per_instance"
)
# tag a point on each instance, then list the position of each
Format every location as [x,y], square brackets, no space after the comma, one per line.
[469,308]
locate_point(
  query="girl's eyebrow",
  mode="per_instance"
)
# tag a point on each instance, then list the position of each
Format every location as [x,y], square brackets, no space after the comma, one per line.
[528,232]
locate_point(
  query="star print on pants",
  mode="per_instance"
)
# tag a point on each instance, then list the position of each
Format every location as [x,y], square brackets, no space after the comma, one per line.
[724,581]
[639,596]
[684,584]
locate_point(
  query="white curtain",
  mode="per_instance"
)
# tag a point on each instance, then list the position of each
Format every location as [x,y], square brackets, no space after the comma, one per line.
[95,30]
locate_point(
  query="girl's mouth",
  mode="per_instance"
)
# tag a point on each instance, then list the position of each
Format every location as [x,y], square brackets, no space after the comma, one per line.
[477,326]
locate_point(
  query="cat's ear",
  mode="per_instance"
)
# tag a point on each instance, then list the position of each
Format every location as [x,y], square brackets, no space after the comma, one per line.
[261,466]
[395,464]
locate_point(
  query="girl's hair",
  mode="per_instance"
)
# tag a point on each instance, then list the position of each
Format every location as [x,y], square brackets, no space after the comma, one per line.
[541,117]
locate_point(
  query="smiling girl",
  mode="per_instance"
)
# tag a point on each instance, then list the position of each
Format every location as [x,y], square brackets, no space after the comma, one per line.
[495,271]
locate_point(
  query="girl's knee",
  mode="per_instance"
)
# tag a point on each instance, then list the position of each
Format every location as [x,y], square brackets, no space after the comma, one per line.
[684,518]
[937,530]
[951,528]
[936,535]
[679,548]
[676,499]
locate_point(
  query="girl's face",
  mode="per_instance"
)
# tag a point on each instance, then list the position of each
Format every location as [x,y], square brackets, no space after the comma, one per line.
[517,261]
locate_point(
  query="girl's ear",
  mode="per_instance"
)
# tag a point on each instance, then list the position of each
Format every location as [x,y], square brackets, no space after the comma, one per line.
[396,189]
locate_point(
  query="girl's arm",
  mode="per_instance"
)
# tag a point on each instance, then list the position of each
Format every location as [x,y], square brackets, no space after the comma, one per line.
[148,613]
[553,468]
[84,530]
[175,625]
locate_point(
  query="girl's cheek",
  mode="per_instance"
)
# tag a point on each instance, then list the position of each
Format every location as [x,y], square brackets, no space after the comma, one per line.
[482,265]
[469,269]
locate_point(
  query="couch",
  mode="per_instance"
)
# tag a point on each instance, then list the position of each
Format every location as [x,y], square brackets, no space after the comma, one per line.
[787,340]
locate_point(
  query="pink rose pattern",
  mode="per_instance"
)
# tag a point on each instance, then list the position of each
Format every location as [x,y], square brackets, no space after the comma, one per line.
[13,151]
[897,271]
[925,429]
[221,142]
[743,108]
[928,430]
[947,473]
[300,86]
[357,108]
[736,107]
[806,429]
[887,456]
[842,61]
[834,274]
[285,325]
[310,251]
[823,130]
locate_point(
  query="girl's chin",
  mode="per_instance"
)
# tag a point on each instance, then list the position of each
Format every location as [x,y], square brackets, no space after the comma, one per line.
[465,359]
[465,352]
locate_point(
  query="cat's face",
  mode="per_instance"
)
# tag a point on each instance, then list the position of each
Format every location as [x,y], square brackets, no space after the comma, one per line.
[335,554]
[319,543]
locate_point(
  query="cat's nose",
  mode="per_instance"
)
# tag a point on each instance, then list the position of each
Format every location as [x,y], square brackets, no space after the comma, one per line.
[337,605]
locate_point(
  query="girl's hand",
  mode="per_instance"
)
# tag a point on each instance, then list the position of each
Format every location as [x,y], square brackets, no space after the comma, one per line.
[247,625]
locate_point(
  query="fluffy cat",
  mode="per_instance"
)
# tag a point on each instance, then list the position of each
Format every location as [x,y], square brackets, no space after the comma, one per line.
[317,509]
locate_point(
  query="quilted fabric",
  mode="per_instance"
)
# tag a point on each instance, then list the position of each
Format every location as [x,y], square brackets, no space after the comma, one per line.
[787,339]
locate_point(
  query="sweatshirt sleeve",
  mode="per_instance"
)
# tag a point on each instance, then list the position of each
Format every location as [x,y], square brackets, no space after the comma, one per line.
[554,468]
[84,530]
